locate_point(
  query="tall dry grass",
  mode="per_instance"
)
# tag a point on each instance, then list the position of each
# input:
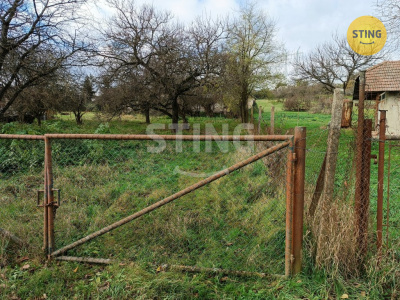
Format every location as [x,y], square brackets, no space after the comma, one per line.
[333,241]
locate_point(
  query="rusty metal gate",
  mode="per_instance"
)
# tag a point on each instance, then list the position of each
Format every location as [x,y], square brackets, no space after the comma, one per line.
[55,176]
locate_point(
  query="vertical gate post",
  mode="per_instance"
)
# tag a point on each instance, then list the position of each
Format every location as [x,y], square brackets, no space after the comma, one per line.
[49,207]
[289,209]
[381,166]
[298,202]
[45,216]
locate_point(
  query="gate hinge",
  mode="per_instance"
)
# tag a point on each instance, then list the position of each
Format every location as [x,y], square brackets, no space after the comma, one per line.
[56,204]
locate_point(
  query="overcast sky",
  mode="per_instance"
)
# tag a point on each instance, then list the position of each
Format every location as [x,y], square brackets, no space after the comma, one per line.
[302,24]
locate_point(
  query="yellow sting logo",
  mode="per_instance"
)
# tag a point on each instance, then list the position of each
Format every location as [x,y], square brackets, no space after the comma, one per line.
[366,35]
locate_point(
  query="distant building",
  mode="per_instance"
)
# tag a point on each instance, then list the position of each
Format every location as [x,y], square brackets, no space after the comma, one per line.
[382,85]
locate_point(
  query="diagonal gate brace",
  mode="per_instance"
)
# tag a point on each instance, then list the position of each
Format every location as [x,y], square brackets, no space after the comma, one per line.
[173,197]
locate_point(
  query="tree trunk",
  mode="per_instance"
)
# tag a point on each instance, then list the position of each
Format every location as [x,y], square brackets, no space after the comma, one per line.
[244,113]
[175,111]
[147,114]
[78,118]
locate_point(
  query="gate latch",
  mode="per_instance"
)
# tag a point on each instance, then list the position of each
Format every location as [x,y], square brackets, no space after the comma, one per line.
[54,203]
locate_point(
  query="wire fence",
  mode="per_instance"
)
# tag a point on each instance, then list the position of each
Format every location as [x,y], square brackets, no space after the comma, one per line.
[237,222]
[21,175]
[332,223]
[391,192]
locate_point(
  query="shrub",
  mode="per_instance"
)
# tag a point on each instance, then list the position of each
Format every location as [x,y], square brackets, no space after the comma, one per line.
[297,104]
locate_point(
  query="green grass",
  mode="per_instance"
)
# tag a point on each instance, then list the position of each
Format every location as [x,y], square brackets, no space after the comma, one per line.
[235,223]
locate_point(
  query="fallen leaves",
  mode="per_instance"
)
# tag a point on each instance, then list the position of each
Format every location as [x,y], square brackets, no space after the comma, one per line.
[104,287]
[22,259]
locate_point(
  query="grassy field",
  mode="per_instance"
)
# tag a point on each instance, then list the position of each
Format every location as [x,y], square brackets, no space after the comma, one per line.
[235,223]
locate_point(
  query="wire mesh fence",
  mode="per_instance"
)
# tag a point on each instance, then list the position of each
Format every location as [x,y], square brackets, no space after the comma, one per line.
[331,240]
[236,222]
[345,168]
[21,175]
[391,204]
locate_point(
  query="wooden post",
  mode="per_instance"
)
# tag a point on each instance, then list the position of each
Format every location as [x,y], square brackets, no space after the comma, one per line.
[272,119]
[259,118]
[347,111]
[319,188]
[298,202]
[333,145]
[381,167]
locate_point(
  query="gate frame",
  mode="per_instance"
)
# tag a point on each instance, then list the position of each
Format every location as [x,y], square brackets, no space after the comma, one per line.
[295,176]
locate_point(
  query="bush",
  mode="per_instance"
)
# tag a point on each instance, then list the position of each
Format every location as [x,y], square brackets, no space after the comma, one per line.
[302,97]
[322,106]
[297,104]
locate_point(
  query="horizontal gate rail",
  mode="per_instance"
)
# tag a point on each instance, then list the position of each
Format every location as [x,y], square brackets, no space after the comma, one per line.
[175,196]
[171,137]
[149,137]
[21,137]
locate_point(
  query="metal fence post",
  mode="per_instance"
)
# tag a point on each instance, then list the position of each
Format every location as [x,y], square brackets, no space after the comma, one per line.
[49,207]
[381,167]
[298,203]
[289,209]
[364,191]
[359,158]
[45,216]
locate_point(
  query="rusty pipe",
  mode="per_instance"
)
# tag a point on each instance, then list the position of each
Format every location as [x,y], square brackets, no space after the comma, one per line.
[149,137]
[21,137]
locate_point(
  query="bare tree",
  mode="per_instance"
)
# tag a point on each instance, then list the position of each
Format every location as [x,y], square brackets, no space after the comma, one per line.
[75,95]
[252,51]
[38,37]
[389,14]
[333,63]
[174,58]
[34,102]
[127,92]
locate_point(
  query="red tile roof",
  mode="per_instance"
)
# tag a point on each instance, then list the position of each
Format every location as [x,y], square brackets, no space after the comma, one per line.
[383,77]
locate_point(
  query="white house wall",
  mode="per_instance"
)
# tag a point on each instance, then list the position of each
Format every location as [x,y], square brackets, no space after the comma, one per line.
[391,105]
